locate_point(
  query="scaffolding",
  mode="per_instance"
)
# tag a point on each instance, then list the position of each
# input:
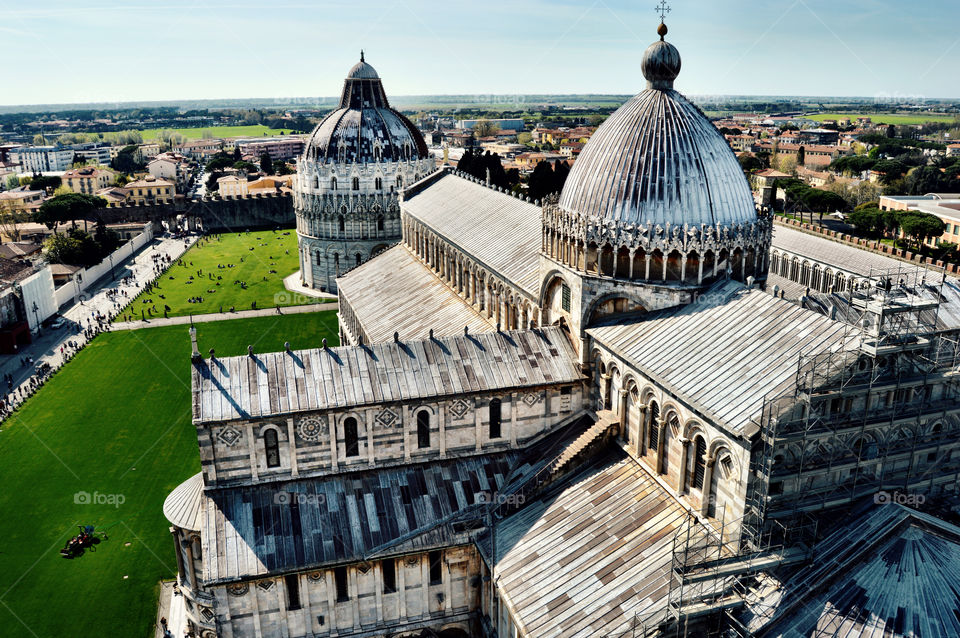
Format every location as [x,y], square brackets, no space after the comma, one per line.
[891,342]
[822,427]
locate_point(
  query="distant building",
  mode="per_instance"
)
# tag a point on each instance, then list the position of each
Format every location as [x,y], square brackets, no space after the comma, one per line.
[43,159]
[946,206]
[22,198]
[279,148]
[510,124]
[89,179]
[150,190]
[172,167]
[823,136]
[953,150]
[200,148]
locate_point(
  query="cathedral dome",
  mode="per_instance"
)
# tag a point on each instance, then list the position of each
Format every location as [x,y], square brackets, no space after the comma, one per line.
[658,160]
[363,128]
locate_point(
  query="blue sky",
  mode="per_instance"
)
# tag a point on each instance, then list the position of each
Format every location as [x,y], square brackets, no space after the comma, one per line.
[92,50]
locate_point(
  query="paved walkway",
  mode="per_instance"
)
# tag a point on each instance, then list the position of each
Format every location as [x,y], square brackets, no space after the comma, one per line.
[221,316]
[57,346]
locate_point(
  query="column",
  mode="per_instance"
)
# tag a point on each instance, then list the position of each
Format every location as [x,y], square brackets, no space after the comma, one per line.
[684,450]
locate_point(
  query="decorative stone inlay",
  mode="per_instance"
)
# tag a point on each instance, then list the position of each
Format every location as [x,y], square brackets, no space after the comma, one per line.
[312,428]
[387,418]
[459,408]
[207,613]
[238,589]
[229,436]
[532,398]
[315,576]
[265,585]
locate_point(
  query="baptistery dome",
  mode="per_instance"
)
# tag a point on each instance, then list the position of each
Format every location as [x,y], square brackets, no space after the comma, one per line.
[364,128]
[659,160]
[349,179]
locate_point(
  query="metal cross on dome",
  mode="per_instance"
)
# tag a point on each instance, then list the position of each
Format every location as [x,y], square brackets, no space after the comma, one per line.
[663,9]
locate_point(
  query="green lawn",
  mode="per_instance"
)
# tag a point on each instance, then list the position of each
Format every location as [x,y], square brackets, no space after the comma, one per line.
[267,256]
[114,421]
[256,130]
[882,118]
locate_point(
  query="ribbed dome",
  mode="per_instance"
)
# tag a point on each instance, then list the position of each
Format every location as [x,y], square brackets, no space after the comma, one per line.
[659,160]
[364,128]
[362,71]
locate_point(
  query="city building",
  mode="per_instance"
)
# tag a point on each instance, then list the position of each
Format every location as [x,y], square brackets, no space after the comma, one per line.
[88,179]
[586,418]
[945,206]
[42,159]
[349,177]
[149,190]
[202,148]
[172,167]
[277,147]
[509,124]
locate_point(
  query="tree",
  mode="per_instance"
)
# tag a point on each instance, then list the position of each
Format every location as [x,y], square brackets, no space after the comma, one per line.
[868,221]
[750,163]
[10,219]
[236,154]
[282,168]
[485,128]
[524,138]
[126,160]
[266,164]
[68,207]
[246,166]
[920,226]
[44,182]
[13,182]
[801,156]
[211,184]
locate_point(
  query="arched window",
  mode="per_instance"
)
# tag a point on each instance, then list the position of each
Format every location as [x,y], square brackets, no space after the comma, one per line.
[319,258]
[333,183]
[272,447]
[380,223]
[378,183]
[359,258]
[495,418]
[356,183]
[699,462]
[654,439]
[351,440]
[342,222]
[399,181]
[423,429]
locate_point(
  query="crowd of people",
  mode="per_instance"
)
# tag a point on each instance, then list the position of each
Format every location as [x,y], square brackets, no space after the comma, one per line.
[85,330]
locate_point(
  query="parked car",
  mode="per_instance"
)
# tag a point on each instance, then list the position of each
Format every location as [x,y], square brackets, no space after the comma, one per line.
[57,323]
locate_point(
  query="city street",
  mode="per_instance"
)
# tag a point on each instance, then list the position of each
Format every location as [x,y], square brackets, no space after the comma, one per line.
[54,345]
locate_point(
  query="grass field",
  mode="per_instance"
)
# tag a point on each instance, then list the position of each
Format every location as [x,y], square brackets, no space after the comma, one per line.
[887,119]
[267,257]
[256,130]
[114,421]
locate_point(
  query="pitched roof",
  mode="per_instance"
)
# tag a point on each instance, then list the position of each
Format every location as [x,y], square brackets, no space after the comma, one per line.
[584,560]
[725,353]
[498,230]
[256,530]
[276,383]
[397,293]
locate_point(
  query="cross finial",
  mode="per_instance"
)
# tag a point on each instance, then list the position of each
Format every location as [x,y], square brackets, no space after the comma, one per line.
[361,55]
[663,9]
